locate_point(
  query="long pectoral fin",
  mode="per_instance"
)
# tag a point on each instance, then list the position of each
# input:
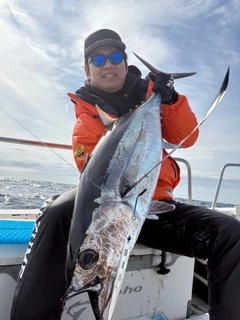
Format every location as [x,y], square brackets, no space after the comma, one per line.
[155,71]
[158,207]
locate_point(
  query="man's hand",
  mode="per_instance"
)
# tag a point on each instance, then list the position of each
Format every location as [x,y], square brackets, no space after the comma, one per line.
[165,84]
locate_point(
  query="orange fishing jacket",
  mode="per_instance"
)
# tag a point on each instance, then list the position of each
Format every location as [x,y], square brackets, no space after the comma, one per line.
[177,122]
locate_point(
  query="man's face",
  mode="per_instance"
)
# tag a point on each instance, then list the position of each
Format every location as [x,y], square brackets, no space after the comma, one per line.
[109,77]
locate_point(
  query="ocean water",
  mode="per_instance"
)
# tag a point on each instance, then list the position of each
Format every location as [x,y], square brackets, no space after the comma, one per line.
[16,193]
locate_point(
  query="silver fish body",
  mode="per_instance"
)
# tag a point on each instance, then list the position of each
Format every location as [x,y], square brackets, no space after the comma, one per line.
[112,204]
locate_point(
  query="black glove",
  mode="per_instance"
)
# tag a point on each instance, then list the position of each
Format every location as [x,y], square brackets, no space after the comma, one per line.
[165,84]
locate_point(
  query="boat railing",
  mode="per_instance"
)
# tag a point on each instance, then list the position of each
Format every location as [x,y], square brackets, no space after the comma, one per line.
[64,146]
[35,143]
[69,147]
[220,182]
[189,176]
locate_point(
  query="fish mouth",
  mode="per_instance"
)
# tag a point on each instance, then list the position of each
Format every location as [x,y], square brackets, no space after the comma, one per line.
[99,291]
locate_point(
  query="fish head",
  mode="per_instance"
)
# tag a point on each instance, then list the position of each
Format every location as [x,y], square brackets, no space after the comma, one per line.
[100,254]
[94,276]
[97,280]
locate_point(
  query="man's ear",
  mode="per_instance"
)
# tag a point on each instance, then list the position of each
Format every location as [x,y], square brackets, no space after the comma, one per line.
[126,66]
[87,71]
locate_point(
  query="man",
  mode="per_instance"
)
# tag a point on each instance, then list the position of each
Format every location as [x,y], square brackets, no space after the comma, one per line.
[188,230]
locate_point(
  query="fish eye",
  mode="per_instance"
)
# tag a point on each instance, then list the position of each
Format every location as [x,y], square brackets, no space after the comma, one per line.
[88,259]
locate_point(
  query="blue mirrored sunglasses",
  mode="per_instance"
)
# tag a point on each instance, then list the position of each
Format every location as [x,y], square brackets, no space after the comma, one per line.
[100,60]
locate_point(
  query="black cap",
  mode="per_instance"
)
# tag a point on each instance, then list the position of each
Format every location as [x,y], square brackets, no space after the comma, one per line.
[102,37]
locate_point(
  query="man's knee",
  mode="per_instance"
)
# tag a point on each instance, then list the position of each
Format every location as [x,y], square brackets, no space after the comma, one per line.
[59,207]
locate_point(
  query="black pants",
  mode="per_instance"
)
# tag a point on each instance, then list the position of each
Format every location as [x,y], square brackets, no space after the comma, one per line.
[188,230]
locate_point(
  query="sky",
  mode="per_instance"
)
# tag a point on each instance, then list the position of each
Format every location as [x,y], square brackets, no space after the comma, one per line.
[41,60]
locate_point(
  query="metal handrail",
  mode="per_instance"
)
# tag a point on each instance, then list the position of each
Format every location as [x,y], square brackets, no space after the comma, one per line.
[189,172]
[35,143]
[220,181]
[69,147]
[64,146]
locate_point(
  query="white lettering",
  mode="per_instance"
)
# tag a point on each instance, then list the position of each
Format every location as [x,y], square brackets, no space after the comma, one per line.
[29,248]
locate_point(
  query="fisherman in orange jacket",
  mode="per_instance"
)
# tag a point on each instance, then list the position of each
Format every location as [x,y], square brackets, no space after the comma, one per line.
[188,230]
[177,122]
